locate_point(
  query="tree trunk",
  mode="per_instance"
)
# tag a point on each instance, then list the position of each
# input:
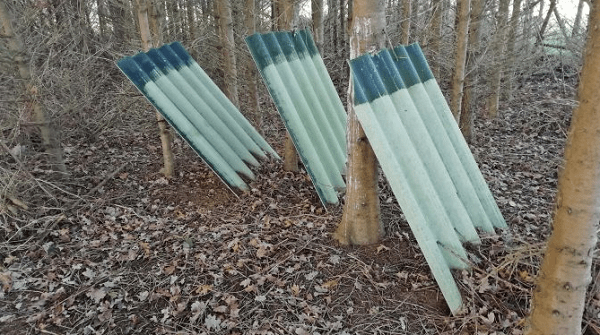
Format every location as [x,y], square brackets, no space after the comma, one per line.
[509,66]
[361,220]
[540,36]
[283,21]
[227,47]
[155,20]
[406,4]
[101,10]
[191,25]
[497,59]
[559,298]
[471,79]
[49,135]
[577,22]
[118,18]
[316,7]
[251,74]
[342,30]
[334,25]
[436,36]
[460,58]
[561,25]
[144,7]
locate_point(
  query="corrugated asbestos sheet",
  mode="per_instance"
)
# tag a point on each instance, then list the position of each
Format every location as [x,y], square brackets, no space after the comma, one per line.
[305,97]
[190,101]
[425,159]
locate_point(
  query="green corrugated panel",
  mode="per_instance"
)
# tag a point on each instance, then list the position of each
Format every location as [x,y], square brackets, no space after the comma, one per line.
[198,110]
[308,104]
[425,171]
[455,137]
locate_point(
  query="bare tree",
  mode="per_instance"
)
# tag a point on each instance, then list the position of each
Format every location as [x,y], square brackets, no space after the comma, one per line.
[227,48]
[577,21]
[540,35]
[143,7]
[251,73]
[48,133]
[509,65]
[559,299]
[317,21]
[361,220]
[466,115]
[406,6]
[435,35]
[497,60]
[283,21]
[460,59]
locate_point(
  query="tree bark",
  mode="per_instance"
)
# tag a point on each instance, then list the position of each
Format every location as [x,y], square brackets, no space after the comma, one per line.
[540,36]
[283,21]
[361,220]
[497,59]
[577,22]
[251,73]
[559,298]
[191,25]
[48,133]
[316,7]
[117,18]
[225,33]
[509,65]
[436,36]
[144,7]
[460,58]
[406,4]
[466,114]
[561,25]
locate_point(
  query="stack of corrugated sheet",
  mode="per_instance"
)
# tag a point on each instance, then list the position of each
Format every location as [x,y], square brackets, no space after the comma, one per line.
[425,159]
[308,103]
[191,102]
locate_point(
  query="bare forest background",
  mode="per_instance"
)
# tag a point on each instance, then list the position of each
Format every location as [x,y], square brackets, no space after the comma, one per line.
[105,211]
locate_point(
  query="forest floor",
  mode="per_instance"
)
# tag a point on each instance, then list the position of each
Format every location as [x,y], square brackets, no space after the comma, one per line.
[145,255]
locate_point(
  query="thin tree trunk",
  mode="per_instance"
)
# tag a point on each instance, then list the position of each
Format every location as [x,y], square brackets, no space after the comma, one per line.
[144,7]
[577,22]
[466,114]
[561,25]
[460,59]
[225,33]
[251,75]
[497,59]
[509,65]
[559,298]
[436,36]
[540,35]
[117,17]
[48,133]
[156,20]
[191,25]
[406,4]
[342,35]
[333,26]
[283,21]
[101,10]
[316,7]
[361,220]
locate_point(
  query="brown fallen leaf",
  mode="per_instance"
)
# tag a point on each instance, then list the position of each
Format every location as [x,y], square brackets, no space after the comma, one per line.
[6,280]
[203,289]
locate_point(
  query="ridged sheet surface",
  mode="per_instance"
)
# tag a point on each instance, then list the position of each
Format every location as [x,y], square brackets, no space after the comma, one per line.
[425,159]
[307,101]
[191,102]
